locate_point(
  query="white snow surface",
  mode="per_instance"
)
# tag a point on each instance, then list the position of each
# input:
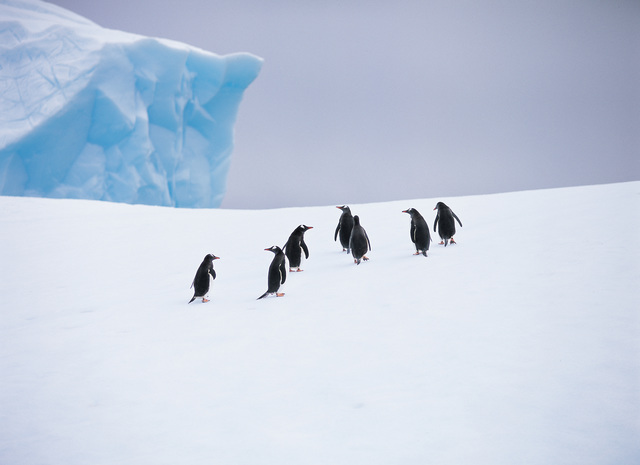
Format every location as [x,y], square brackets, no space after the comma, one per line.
[93,113]
[517,345]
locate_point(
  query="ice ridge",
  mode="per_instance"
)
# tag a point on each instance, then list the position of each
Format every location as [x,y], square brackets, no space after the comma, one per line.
[87,112]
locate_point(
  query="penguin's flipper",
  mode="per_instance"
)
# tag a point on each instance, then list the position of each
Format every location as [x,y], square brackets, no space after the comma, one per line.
[304,247]
[212,272]
[456,217]
[435,223]
[413,232]
[368,243]
[335,235]
[283,273]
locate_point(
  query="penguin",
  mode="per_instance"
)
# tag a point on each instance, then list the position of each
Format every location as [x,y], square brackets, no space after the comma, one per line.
[447,227]
[359,241]
[420,235]
[277,273]
[345,225]
[294,247]
[201,281]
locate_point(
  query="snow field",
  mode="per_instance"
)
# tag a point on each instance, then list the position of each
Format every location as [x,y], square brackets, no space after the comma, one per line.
[517,345]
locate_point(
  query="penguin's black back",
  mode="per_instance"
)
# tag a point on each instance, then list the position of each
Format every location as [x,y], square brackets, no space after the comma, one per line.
[445,221]
[420,234]
[277,272]
[345,225]
[295,246]
[201,280]
[359,241]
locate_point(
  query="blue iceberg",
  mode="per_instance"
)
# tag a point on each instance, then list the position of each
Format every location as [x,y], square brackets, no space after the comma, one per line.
[92,113]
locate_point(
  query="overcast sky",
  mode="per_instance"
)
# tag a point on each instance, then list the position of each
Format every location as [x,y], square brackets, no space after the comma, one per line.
[373,101]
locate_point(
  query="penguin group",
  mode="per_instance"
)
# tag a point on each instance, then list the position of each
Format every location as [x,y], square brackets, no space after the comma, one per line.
[353,236]
[293,250]
[353,239]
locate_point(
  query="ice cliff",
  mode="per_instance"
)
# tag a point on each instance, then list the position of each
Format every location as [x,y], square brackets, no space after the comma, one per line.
[88,112]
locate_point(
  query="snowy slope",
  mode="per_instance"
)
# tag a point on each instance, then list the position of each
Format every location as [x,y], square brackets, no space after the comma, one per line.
[520,344]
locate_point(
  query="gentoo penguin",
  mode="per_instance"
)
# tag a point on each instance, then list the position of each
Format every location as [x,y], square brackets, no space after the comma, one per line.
[359,241]
[345,225]
[201,281]
[447,227]
[294,247]
[277,273]
[420,235]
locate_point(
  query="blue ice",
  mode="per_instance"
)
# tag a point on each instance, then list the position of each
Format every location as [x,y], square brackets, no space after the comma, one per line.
[92,113]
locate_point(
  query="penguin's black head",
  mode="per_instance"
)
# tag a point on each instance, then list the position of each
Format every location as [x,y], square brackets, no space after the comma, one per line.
[210,257]
[344,208]
[356,219]
[274,249]
[440,205]
[300,230]
[409,211]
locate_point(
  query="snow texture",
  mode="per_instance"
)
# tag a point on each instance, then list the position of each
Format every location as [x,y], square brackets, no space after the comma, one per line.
[520,344]
[92,113]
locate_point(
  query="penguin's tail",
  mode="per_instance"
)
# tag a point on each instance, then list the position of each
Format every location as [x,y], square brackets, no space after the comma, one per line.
[192,299]
[263,295]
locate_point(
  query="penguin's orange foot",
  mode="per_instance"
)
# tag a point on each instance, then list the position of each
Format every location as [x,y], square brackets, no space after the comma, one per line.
[298,270]
[417,253]
[204,301]
[451,241]
[441,242]
[364,257]
[279,294]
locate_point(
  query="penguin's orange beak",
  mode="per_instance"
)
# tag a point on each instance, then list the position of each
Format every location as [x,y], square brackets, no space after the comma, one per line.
[216,258]
[405,211]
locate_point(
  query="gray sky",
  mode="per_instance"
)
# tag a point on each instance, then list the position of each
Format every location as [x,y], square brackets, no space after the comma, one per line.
[373,101]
